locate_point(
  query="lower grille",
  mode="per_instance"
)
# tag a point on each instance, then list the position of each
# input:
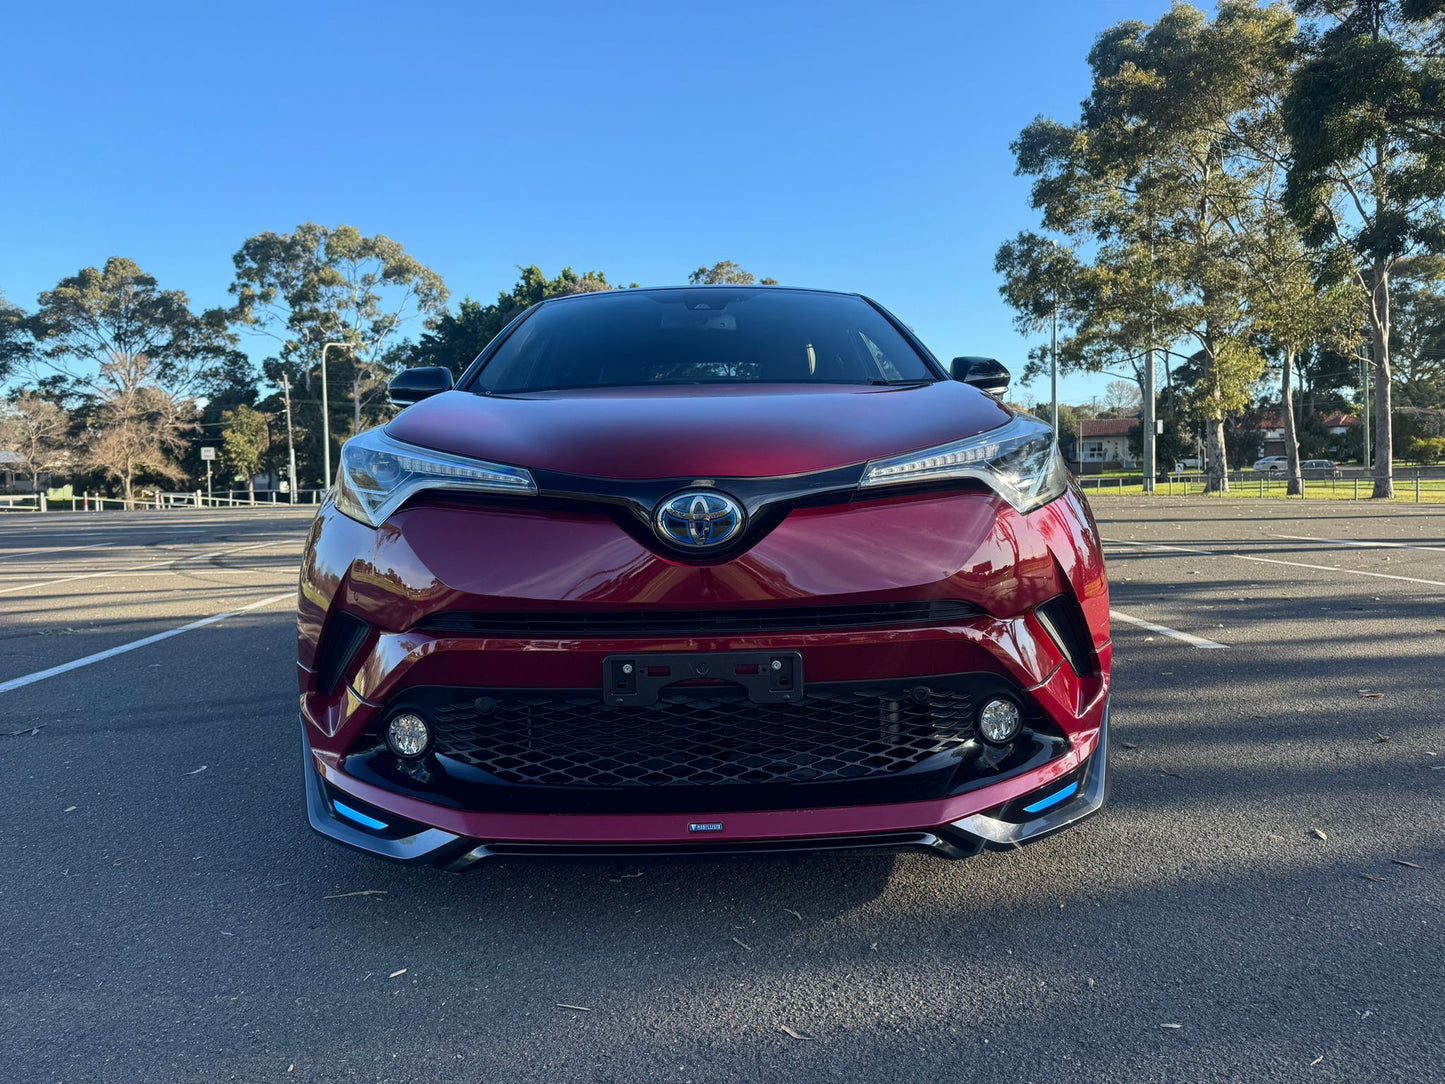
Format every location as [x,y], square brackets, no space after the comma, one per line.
[703,736]
[662,622]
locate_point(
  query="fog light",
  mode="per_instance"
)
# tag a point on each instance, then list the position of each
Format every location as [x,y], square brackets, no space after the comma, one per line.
[999,721]
[407,734]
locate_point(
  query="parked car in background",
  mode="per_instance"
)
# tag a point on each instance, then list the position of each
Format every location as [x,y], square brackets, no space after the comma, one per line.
[1320,468]
[1271,464]
[1191,463]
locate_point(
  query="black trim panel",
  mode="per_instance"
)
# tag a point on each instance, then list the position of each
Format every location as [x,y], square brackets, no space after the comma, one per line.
[651,621]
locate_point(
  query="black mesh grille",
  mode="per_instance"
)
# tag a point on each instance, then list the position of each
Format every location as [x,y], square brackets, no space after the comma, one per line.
[703,737]
[654,622]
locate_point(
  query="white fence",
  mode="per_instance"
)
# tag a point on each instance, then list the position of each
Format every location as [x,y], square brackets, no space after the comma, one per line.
[95,502]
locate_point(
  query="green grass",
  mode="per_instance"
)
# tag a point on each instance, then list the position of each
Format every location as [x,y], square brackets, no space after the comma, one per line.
[1432,490]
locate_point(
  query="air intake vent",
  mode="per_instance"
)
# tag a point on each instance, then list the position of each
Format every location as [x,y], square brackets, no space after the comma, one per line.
[1064,622]
[652,622]
[344,635]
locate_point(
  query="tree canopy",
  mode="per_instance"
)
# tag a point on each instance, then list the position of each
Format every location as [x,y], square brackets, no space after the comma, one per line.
[456,340]
[1367,167]
[726,273]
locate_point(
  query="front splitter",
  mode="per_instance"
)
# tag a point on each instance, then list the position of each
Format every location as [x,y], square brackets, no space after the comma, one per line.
[338,816]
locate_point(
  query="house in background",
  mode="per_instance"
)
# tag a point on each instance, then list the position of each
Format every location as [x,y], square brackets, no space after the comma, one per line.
[10,466]
[1271,432]
[1104,445]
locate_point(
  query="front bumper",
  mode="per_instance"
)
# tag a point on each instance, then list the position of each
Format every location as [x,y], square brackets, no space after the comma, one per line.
[998,817]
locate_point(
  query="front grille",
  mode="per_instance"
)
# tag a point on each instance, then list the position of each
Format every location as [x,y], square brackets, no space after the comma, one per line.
[654,622]
[703,736]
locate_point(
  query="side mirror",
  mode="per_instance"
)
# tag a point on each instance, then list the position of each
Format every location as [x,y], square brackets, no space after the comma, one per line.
[413,385]
[986,374]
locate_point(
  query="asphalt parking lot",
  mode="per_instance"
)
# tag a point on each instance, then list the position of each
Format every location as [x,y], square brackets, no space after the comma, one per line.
[1261,901]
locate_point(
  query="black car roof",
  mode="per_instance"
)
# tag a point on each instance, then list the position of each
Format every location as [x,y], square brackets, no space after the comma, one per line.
[628,290]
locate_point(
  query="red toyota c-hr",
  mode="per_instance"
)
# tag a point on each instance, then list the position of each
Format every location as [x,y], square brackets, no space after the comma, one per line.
[702,570]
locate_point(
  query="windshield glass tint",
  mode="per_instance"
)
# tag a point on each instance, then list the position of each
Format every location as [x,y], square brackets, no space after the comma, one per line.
[734,335]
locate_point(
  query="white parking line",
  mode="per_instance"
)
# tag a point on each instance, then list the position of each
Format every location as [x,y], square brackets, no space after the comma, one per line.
[1333,568]
[289,571]
[48,552]
[99,656]
[1361,545]
[1160,546]
[136,568]
[1163,630]
[1276,561]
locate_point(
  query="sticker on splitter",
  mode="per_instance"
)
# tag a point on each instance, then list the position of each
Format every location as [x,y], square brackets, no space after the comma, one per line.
[710,826]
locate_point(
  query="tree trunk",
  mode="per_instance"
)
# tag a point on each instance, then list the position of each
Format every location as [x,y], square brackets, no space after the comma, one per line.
[356,403]
[1380,347]
[1291,433]
[251,488]
[1215,466]
[126,490]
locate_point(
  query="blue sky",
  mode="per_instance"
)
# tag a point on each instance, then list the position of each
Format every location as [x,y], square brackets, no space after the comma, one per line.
[844,145]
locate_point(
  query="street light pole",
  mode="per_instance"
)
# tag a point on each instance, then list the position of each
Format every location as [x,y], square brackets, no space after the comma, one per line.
[1054,342]
[294,495]
[1054,373]
[1365,448]
[326,415]
[1148,428]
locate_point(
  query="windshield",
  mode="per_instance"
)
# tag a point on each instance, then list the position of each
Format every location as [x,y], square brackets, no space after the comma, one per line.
[702,336]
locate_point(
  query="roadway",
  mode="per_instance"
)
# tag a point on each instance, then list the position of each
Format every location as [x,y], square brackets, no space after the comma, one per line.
[1260,901]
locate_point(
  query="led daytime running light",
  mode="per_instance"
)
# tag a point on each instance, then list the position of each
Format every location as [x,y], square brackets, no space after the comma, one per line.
[378,475]
[1019,461]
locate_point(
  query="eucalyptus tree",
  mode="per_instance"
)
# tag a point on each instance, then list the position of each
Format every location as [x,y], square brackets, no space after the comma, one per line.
[1364,117]
[137,355]
[456,339]
[1417,334]
[1040,283]
[245,442]
[1156,175]
[727,273]
[320,285]
[15,340]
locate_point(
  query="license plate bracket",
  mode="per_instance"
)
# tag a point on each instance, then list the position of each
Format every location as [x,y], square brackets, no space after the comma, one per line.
[769,677]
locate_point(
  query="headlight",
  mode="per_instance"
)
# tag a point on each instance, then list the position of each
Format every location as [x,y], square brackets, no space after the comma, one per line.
[1019,460]
[377,474]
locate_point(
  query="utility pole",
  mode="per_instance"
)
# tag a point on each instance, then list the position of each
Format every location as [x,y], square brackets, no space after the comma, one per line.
[326,413]
[1365,414]
[1147,428]
[1054,373]
[1054,345]
[290,440]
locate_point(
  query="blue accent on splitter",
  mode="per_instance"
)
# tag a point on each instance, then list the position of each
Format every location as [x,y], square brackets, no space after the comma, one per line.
[1053,799]
[359,817]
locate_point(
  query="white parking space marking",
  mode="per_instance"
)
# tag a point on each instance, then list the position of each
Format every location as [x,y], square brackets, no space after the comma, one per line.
[1361,545]
[47,552]
[201,572]
[1277,561]
[137,568]
[110,653]
[1160,546]
[1333,568]
[1163,630]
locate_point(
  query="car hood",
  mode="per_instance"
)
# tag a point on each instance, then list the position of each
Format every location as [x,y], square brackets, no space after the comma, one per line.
[730,431]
